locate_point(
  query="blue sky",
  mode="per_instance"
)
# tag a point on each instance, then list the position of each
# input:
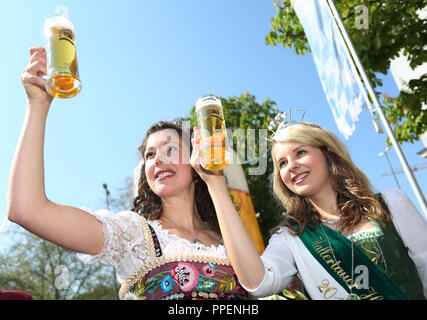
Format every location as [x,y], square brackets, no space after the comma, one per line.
[149,60]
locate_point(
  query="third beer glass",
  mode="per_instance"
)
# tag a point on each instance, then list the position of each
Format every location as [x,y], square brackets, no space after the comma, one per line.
[214,148]
[63,73]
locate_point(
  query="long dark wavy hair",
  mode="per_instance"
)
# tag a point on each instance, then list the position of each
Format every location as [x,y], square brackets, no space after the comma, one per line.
[149,205]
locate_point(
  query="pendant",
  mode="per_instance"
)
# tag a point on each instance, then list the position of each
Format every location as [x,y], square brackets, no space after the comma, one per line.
[197,241]
[353,296]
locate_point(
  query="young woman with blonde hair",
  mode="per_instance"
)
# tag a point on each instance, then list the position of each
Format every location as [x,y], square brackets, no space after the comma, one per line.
[339,237]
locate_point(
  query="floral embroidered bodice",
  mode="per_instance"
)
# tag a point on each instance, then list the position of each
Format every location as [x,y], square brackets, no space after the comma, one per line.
[182,277]
[130,247]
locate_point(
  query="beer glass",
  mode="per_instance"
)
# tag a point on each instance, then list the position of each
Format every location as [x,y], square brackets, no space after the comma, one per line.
[214,147]
[63,74]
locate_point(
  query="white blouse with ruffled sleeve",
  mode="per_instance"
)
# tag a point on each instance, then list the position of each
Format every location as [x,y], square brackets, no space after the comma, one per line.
[279,263]
[125,248]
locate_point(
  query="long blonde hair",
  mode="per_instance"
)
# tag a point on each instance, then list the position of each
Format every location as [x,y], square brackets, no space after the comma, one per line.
[355,195]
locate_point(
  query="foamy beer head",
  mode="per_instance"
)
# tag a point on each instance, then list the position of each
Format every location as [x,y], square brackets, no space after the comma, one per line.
[214,148]
[63,72]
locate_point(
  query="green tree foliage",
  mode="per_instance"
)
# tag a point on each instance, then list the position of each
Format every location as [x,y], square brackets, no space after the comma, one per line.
[393,27]
[123,199]
[245,113]
[49,272]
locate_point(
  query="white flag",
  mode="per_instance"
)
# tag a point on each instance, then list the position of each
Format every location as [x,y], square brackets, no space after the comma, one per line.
[336,70]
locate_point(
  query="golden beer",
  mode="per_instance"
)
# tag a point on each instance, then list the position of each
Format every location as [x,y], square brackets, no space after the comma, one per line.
[214,148]
[63,72]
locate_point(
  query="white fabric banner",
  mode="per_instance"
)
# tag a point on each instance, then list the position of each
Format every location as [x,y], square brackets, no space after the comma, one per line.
[342,89]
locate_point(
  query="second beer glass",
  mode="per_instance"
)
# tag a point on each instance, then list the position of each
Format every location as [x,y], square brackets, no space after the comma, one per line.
[214,148]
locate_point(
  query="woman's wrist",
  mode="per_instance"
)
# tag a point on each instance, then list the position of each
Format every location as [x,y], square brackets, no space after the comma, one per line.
[216,181]
[38,107]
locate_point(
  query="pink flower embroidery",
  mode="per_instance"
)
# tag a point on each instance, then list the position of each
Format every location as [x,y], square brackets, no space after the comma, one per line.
[209,270]
[186,275]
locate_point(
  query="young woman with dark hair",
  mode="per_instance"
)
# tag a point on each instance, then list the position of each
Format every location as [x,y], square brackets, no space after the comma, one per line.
[167,247]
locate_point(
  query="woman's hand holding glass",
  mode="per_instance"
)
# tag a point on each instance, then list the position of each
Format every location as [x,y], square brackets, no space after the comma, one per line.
[210,177]
[32,80]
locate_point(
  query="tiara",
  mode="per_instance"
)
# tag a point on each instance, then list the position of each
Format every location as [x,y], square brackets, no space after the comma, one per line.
[284,120]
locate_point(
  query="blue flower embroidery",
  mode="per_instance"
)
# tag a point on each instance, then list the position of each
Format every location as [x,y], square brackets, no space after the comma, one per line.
[167,283]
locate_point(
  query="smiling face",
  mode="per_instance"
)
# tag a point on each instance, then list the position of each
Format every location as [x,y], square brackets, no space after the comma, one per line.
[302,168]
[167,167]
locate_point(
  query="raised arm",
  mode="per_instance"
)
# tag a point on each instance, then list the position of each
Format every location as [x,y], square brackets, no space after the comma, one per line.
[242,252]
[27,203]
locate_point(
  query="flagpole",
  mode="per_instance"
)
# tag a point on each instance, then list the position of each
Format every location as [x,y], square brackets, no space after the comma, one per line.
[409,174]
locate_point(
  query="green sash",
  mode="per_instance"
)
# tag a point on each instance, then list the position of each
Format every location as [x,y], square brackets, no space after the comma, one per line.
[380,285]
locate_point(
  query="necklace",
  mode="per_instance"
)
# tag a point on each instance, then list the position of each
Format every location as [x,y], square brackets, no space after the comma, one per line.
[330,221]
[351,296]
[197,241]
[180,234]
